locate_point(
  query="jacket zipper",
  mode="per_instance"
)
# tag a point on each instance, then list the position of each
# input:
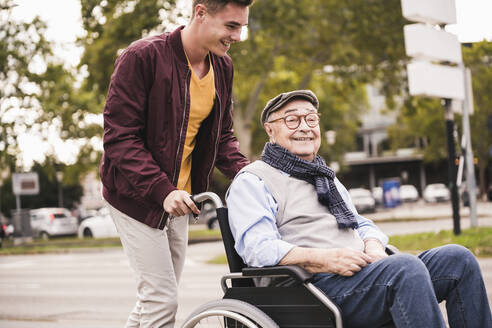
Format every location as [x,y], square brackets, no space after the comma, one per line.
[216,139]
[179,144]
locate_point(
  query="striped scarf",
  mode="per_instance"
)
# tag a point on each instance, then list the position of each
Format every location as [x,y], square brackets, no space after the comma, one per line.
[316,173]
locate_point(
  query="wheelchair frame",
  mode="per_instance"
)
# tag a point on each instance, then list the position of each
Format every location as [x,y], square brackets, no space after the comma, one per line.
[292,303]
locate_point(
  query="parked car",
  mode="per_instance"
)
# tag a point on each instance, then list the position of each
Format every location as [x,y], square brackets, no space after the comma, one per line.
[4,229]
[362,199]
[436,192]
[408,193]
[99,226]
[377,194]
[52,221]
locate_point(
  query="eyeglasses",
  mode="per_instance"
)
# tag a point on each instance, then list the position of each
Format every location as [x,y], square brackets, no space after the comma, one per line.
[293,121]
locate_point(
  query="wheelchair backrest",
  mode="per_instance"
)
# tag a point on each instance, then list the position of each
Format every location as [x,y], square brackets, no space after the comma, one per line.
[235,262]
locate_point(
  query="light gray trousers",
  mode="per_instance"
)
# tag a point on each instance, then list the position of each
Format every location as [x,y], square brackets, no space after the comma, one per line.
[157,258]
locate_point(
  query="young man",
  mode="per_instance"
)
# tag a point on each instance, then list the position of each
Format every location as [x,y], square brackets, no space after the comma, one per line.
[167,123]
[290,209]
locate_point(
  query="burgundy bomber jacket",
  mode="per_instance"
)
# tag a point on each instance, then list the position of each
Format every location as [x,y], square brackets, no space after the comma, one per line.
[145,120]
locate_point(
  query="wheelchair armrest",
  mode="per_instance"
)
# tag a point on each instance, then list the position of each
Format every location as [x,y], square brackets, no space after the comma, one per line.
[297,273]
[390,249]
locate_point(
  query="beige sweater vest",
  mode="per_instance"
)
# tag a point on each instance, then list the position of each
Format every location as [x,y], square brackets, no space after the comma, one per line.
[301,219]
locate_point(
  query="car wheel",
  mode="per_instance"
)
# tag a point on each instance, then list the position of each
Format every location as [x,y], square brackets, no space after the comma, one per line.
[44,235]
[88,233]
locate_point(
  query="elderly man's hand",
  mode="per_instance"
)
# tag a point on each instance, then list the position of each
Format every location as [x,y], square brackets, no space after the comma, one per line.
[375,250]
[345,261]
[342,261]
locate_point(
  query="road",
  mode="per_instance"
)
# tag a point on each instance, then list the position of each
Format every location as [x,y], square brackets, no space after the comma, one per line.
[97,289]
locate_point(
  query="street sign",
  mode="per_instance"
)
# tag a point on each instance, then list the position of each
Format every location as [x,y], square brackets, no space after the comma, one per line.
[424,42]
[25,183]
[426,79]
[429,11]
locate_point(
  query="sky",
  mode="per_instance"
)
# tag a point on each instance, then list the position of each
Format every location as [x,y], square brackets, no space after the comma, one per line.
[64,23]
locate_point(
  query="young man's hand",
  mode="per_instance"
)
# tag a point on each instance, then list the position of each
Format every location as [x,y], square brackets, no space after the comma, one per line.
[179,203]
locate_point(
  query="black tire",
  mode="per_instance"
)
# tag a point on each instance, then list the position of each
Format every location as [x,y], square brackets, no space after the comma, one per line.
[87,233]
[240,313]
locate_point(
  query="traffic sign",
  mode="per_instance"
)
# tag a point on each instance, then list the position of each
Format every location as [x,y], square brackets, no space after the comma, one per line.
[434,12]
[424,42]
[25,183]
[426,79]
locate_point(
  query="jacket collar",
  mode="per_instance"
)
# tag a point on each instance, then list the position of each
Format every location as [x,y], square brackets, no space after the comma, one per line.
[177,45]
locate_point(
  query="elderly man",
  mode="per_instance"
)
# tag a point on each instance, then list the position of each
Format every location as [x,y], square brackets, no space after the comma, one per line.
[289,208]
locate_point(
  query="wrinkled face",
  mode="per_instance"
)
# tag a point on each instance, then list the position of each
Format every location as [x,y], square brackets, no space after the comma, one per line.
[219,30]
[303,141]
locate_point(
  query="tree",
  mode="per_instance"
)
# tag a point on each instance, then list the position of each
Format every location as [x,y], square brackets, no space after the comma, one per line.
[22,46]
[111,25]
[478,58]
[291,42]
[420,124]
[38,96]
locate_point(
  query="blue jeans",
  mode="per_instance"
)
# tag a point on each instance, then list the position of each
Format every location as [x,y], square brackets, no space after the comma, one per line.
[407,289]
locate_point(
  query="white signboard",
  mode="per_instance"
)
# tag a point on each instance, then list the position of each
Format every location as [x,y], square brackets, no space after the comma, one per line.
[424,42]
[426,79]
[25,183]
[429,11]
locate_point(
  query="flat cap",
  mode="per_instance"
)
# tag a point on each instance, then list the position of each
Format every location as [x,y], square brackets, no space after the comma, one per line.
[279,101]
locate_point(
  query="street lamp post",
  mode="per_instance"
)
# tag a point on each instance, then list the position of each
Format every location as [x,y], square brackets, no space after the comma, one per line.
[59,179]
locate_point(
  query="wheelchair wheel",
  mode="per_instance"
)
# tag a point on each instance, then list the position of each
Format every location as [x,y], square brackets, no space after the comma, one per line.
[228,313]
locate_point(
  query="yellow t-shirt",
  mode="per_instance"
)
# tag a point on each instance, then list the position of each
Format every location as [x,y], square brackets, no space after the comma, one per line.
[202,96]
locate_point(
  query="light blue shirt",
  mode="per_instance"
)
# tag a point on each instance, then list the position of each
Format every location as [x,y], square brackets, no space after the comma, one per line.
[252,212]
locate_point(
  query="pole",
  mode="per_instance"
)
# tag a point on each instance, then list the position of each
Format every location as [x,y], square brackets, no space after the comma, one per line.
[452,166]
[60,196]
[470,167]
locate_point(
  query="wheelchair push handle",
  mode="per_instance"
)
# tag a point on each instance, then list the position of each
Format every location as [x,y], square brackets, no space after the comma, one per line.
[208,195]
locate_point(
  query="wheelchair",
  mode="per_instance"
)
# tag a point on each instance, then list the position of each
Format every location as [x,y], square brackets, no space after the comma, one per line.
[291,302]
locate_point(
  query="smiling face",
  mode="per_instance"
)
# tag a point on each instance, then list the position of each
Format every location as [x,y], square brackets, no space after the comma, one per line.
[303,141]
[220,29]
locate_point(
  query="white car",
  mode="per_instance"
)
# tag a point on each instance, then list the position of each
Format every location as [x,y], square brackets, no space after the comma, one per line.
[362,199]
[408,193]
[99,226]
[436,192]
[52,221]
[377,194]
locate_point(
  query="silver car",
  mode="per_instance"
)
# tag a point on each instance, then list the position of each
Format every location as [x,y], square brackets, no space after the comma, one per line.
[52,221]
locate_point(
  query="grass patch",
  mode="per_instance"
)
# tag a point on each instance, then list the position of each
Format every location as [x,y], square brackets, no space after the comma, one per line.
[477,240]
[57,245]
[204,234]
[66,244]
[219,259]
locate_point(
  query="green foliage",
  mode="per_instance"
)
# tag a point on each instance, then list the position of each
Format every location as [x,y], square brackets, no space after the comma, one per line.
[479,59]
[477,240]
[329,46]
[420,122]
[21,46]
[111,25]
